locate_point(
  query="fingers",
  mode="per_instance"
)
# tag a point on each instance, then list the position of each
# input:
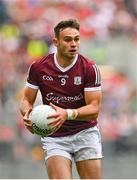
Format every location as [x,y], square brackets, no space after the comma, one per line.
[60,117]
[28,126]
[26,116]
[53,116]
[53,106]
[27,122]
[56,125]
[30,129]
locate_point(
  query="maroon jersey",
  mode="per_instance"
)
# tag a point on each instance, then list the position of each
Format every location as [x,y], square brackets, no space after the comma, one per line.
[65,87]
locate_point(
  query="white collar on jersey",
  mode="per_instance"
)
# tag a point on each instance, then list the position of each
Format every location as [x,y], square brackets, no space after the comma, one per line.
[66,68]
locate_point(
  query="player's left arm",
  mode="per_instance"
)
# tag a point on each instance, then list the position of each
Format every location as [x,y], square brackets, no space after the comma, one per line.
[92,94]
[92,107]
[87,112]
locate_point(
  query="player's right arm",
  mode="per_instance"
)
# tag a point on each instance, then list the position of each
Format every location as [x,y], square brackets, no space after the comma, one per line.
[26,105]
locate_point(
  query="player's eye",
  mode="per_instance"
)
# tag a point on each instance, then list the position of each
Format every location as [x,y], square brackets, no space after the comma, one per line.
[77,39]
[67,40]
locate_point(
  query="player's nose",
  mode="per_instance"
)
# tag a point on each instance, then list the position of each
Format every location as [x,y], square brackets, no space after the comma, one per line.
[73,43]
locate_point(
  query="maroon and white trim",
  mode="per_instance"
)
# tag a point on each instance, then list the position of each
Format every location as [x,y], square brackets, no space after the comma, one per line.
[97,73]
[68,67]
[93,88]
[31,86]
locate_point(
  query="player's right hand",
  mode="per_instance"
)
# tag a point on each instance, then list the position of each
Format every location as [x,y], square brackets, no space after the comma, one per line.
[27,122]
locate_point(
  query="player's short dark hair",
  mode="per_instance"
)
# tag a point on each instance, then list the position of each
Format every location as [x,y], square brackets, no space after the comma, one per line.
[72,23]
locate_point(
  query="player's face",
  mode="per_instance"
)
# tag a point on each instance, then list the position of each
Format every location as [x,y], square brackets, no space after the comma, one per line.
[68,43]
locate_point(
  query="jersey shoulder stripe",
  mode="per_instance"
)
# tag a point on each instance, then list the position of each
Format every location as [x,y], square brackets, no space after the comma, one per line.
[97,73]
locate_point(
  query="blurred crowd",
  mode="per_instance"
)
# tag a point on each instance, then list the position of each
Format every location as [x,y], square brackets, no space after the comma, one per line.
[26,31]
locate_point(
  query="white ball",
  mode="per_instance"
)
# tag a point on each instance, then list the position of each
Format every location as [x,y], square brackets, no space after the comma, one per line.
[40,123]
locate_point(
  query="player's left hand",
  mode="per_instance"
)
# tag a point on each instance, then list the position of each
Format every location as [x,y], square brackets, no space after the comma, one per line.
[60,116]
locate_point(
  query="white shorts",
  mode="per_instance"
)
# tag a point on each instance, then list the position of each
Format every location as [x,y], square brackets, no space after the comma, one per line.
[83,145]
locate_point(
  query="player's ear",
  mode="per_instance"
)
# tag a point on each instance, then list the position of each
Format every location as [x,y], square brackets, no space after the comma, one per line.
[55,41]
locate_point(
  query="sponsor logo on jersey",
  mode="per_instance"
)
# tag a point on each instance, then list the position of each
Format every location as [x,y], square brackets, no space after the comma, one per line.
[47,78]
[77,80]
[63,76]
[52,97]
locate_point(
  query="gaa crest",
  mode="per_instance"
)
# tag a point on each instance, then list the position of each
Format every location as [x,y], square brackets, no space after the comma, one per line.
[77,80]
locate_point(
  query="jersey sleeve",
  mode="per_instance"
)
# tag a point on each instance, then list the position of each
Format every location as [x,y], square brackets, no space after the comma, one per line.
[92,78]
[32,78]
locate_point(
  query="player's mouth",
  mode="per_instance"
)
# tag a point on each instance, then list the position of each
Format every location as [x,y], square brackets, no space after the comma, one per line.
[73,51]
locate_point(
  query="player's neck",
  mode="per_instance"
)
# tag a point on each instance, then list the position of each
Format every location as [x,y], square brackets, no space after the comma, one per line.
[64,61]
